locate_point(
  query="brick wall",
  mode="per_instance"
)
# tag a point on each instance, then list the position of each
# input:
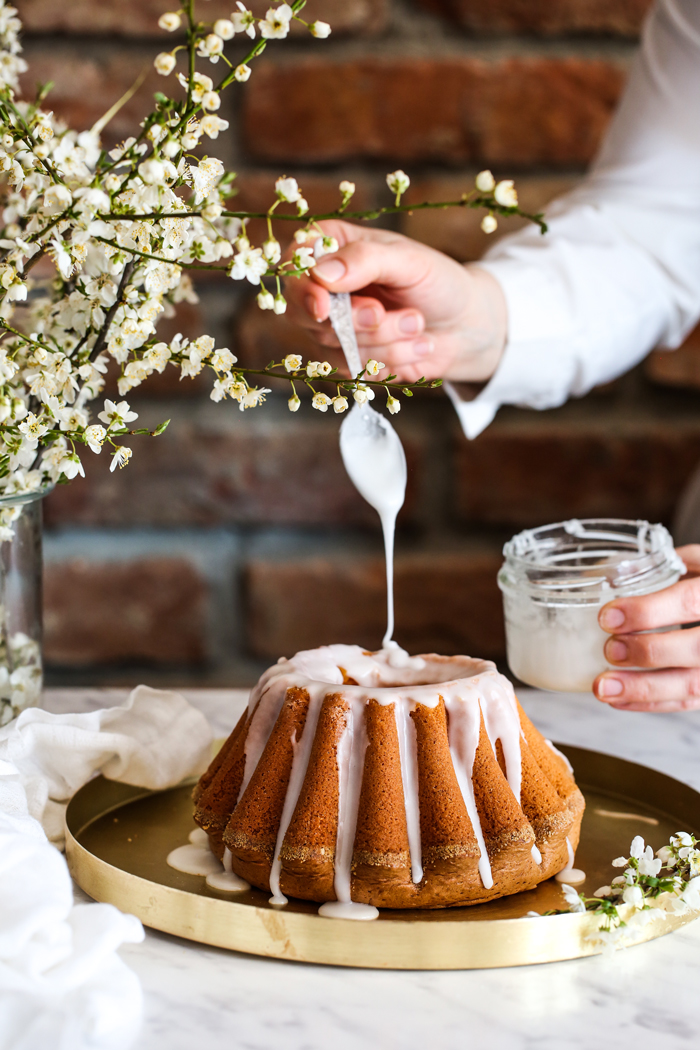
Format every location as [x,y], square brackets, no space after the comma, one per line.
[233,539]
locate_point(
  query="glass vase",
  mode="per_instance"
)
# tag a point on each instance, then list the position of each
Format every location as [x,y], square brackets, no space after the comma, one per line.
[21,672]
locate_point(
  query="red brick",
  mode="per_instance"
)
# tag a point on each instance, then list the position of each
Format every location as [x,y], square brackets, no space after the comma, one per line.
[679,367]
[514,111]
[262,337]
[87,82]
[446,603]
[457,231]
[212,467]
[530,471]
[140,17]
[616,17]
[148,610]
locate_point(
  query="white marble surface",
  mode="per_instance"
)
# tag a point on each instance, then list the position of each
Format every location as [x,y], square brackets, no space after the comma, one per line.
[645,997]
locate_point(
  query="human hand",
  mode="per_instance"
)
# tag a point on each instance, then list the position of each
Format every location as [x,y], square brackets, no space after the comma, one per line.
[672,681]
[418,311]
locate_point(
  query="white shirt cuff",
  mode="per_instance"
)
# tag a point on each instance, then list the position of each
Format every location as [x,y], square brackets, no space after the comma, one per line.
[538,362]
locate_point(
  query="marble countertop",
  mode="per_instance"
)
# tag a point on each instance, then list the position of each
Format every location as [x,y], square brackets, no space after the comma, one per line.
[197,997]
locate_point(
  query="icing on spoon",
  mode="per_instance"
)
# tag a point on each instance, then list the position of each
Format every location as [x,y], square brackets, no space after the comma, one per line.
[373,456]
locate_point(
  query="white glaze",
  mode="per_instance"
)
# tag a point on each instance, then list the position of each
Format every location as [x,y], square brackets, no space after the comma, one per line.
[194,860]
[569,874]
[479,690]
[348,910]
[536,855]
[199,837]
[227,882]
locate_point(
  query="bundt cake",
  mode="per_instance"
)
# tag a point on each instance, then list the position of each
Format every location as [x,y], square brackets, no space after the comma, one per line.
[394,781]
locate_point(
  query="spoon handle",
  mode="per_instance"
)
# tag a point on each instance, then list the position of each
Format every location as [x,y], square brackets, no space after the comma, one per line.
[341,318]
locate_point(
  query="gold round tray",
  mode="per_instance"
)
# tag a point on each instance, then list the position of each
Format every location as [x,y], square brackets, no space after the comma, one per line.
[118,838]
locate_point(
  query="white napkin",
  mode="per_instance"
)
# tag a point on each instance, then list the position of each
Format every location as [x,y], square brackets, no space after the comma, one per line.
[62,985]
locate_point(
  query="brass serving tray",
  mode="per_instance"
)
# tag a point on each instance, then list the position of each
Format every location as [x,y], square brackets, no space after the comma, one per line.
[118,838]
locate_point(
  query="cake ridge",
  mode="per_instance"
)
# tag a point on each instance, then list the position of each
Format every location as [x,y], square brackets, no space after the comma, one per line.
[482,723]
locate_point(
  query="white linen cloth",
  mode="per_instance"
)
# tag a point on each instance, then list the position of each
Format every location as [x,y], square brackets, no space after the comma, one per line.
[618,273]
[62,985]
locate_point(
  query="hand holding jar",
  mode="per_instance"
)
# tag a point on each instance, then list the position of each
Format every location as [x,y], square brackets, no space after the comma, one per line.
[666,662]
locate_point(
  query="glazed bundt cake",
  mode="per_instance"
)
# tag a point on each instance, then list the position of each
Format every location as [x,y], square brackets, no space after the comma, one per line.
[388,780]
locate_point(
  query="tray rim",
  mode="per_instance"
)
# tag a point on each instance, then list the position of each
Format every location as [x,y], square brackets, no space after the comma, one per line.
[404,941]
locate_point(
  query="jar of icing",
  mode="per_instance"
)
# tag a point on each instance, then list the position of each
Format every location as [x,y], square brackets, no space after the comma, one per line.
[556,578]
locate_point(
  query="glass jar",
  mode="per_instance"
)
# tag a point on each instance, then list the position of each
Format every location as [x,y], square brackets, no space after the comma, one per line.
[20,603]
[554,581]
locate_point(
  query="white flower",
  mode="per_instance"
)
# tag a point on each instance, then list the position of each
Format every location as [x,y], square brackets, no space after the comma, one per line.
[302,236]
[665,855]
[272,250]
[620,862]
[633,895]
[164,63]
[681,838]
[253,397]
[293,403]
[292,362]
[33,427]
[303,258]
[275,25]
[603,891]
[205,176]
[347,189]
[250,264]
[320,29]
[243,20]
[325,246]
[265,300]
[340,404]
[572,898]
[314,369]
[169,21]
[222,360]
[489,223]
[117,415]
[648,865]
[224,28]
[120,458]
[211,101]
[393,404]
[211,212]
[280,305]
[320,402]
[287,189]
[637,847]
[151,171]
[691,894]
[485,181]
[57,198]
[212,125]
[210,47]
[157,356]
[505,194]
[302,206]
[94,437]
[242,72]
[373,368]
[398,182]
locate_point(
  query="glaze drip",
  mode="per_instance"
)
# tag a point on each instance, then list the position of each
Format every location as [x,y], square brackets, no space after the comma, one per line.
[390,677]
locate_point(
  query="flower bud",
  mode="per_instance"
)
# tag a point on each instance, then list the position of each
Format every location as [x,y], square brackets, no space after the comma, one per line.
[272,250]
[320,30]
[224,28]
[280,304]
[489,223]
[212,211]
[293,403]
[241,74]
[164,63]
[398,182]
[170,21]
[505,194]
[265,300]
[171,148]
[393,404]
[485,181]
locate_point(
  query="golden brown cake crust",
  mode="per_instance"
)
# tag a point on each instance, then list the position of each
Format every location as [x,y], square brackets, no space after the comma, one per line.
[244,815]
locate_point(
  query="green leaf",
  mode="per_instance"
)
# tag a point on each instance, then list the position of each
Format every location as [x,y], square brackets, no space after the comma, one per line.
[407,392]
[436,382]
[141,430]
[161,98]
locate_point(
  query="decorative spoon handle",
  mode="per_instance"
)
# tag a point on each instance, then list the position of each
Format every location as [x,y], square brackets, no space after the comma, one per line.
[341,319]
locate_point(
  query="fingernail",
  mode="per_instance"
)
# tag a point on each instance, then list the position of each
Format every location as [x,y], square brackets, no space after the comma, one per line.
[330,270]
[408,324]
[367,317]
[612,618]
[310,304]
[610,686]
[616,651]
[422,349]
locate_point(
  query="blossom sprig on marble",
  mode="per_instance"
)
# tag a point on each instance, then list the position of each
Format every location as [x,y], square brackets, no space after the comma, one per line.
[666,881]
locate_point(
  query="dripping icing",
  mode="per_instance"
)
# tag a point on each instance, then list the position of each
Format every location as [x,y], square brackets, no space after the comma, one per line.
[569,874]
[479,691]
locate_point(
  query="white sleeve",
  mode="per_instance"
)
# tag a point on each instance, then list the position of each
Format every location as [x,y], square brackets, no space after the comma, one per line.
[618,273]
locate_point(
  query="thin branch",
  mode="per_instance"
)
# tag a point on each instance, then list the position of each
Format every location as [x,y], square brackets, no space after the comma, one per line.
[101,340]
